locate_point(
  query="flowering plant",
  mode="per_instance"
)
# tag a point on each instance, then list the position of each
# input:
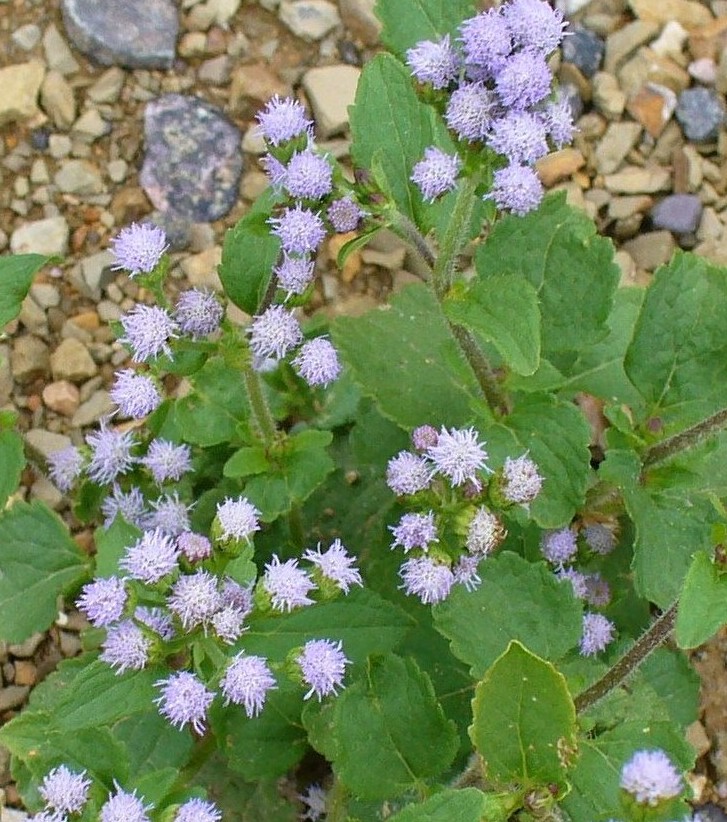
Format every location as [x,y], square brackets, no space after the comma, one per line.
[390,556]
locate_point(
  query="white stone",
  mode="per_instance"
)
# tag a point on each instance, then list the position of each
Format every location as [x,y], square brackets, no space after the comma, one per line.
[117,169]
[309,19]
[331,90]
[59,146]
[90,126]
[26,37]
[48,236]
[20,85]
[79,177]
[58,55]
[671,40]
[57,100]
[108,86]
[46,442]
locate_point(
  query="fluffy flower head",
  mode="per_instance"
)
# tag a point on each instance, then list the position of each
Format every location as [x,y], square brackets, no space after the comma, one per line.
[295,274]
[238,518]
[335,564]
[138,248]
[103,600]
[597,634]
[415,531]
[64,790]
[534,24]
[309,176]
[317,362]
[274,332]
[521,480]
[152,557]
[246,682]
[524,80]
[433,62]
[135,394]
[170,515]
[147,331]
[125,647]
[184,700]
[111,454]
[650,777]
[65,467]
[124,807]
[345,215]
[194,599]
[198,313]
[428,580]
[167,460]
[322,664]
[485,532]
[517,189]
[282,120]
[299,230]
[520,136]
[197,810]
[407,473]
[287,584]
[470,111]
[485,41]
[436,173]
[559,546]
[458,455]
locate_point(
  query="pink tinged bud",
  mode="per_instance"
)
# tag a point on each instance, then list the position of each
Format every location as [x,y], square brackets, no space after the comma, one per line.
[521,480]
[485,533]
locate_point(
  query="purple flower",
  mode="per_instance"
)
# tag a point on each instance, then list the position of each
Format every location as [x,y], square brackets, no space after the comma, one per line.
[423,437]
[428,580]
[246,682]
[470,111]
[559,546]
[65,467]
[597,633]
[486,42]
[65,791]
[194,599]
[275,171]
[111,454]
[147,331]
[458,455]
[598,592]
[237,596]
[287,584]
[650,777]
[465,572]
[274,332]
[485,532]
[184,700]
[228,624]
[157,620]
[167,461]
[520,136]
[517,189]
[138,248]
[406,473]
[124,807]
[433,62]
[135,394]
[195,547]
[317,362]
[49,816]
[309,176]
[299,229]
[103,600]
[295,274]
[315,801]
[131,505]
[414,531]
[558,120]
[436,173]
[599,538]
[238,518]
[534,24]
[170,515]
[151,558]
[521,480]
[322,664]
[577,580]
[345,215]
[523,80]
[335,564]
[197,810]
[198,313]
[282,120]
[125,647]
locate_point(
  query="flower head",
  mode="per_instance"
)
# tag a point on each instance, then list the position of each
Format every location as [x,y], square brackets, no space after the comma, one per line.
[407,473]
[598,592]
[577,580]
[322,664]
[465,572]
[558,120]
[198,313]
[246,682]
[167,460]
[237,596]
[299,230]
[516,188]
[308,175]
[295,274]
[559,546]
[423,437]
[274,332]
[147,331]
[485,532]
[152,557]
[170,515]
[486,42]
[599,538]
[436,173]
[470,111]
[521,480]
[597,634]
[287,584]
[194,599]
[520,136]
[157,620]
[458,455]
[415,531]
[314,800]
[345,214]
[317,362]
[195,547]
[138,248]
[228,623]
[111,454]
[650,777]
[135,394]
[427,579]
[275,171]
[282,120]
[124,807]
[534,25]
[125,648]
[335,564]
[433,62]
[64,790]
[65,467]
[238,518]
[184,700]
[197,810]
[130,504]
[103,600]
[523,80]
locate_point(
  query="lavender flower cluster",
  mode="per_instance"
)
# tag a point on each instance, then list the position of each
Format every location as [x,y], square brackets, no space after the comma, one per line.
[446,463]
[66,792]
[197,603]
[496,86]
[561,549]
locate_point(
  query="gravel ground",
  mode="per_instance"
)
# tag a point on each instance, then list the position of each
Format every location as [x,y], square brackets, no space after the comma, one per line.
[95,128]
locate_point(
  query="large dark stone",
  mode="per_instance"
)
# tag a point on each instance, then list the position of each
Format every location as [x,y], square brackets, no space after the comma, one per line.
[679,213]
[131,33]
[193,161]
[584,49]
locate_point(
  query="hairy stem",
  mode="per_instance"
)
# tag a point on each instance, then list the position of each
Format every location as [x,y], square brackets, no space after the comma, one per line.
[403,227]
[496,398]
[258,404]
[454,237]
[649,641]
[685,440]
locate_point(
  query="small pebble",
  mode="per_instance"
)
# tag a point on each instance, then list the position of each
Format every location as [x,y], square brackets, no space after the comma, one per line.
[701,114]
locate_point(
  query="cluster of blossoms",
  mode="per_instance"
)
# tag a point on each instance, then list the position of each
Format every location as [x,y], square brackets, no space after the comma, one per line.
[495,83]
[442,463]
[651,778]
[66,793]
[560,548]
[197,602]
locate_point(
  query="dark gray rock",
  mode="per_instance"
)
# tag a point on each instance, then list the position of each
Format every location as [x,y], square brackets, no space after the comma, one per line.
[131,33]
[584,49]
[709,813]
[679,213]
[193,161]
[701,113]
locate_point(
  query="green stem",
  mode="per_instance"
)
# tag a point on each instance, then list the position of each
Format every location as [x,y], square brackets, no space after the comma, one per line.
[258,404]
[403,227]
[203,749]
[649,641]
[455,236]
[496,398]
[693,436]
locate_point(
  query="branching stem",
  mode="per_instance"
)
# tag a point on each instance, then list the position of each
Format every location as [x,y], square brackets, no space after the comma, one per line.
[685,440]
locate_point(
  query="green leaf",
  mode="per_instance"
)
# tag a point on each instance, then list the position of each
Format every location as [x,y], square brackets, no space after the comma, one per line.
[557,250]
[390,733]
[38,562]
[524,720]
[415,371]
[246,462]
[16,277]
[152,743]
[464,805]
[406,22]
[517,600]
[249,252]
[12,460]
[503,311]
[111,544]
[702,604]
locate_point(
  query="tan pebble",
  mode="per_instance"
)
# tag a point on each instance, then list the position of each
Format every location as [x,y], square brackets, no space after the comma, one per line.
[88,320]
[255,83]
[689,13]
[25,672]
[708,41]
[697,738]
[62,397]
[559,165]
[652,106]
[84,540]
